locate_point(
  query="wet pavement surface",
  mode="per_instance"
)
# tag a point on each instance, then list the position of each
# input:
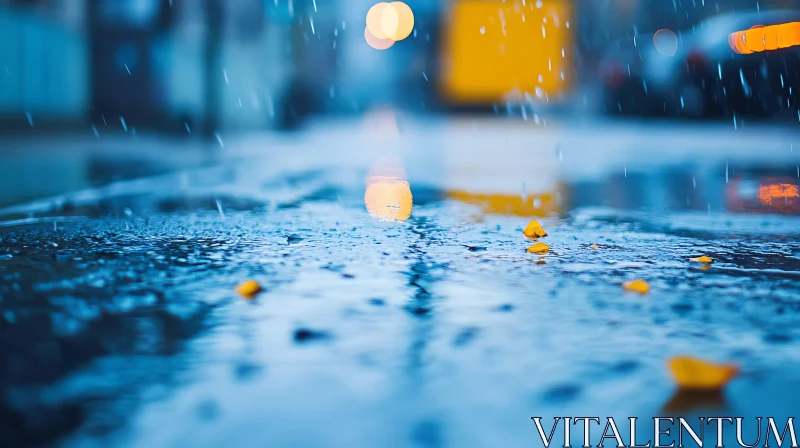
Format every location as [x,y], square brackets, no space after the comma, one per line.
[120,324]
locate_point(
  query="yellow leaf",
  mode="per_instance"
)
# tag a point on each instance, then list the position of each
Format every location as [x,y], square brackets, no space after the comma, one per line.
[248,289]
[703,259]
[539,248]
[693,373]
[534,230]
[639,286]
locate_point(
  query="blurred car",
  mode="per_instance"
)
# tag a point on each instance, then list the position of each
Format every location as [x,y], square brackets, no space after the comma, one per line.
[763,193]
[743,63]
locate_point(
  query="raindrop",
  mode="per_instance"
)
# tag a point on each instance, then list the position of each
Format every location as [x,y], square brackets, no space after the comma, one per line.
[745,85]
[219,208]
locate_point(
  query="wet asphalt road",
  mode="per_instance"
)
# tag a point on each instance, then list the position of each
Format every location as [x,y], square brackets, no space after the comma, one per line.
[120,324]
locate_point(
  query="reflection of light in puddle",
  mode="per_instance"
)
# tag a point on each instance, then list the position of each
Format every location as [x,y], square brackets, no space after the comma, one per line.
[388,198]
[504,204]
[763,195]
[769,192]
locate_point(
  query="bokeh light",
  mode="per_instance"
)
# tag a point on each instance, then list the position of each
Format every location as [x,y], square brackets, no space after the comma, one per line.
[390,20]
[393,21]
[405,21]
[765,38]
[375,20]
[375,42]
[666,42]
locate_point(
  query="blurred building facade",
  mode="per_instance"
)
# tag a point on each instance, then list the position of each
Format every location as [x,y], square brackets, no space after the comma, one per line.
[144,62]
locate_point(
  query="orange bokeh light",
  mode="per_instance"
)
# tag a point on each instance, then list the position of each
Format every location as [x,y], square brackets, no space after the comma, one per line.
[765,38]
[388,198]
[388,195]
[777,192]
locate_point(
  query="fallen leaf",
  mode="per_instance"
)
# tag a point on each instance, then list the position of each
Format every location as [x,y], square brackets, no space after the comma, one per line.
[248,289]
[639,286]
[702,259]
[697,374]
[539,248]
[534,230]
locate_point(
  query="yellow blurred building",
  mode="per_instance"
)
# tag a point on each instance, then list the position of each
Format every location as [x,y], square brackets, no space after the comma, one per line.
[494,50]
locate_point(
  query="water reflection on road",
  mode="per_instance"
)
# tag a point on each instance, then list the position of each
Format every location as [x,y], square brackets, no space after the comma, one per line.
[428,326]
